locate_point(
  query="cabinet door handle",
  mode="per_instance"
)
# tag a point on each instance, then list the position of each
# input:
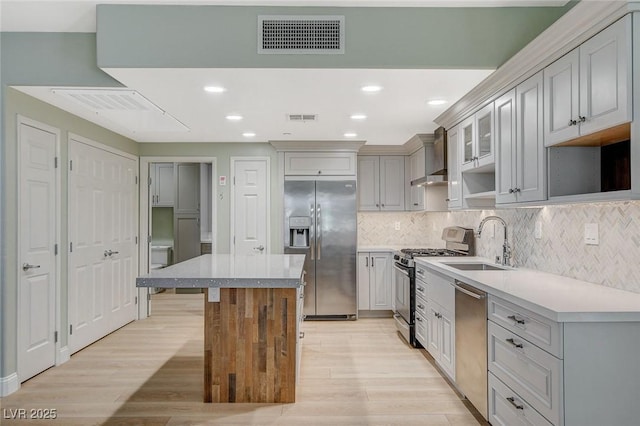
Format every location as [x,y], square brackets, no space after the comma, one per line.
[515,345]
[582,118]
[511,191]
[420,289]
[516,319]
[27,266]
[372,262]
[366,261]
[420,272]
[572,122]
[418,319]
[512,400]
[420,306]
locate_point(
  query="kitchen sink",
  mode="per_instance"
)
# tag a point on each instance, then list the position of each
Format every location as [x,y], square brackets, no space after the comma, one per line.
[475,266]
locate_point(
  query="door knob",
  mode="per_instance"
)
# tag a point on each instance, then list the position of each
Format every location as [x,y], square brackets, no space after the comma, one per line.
[27,266]
[110,252]
[260,248]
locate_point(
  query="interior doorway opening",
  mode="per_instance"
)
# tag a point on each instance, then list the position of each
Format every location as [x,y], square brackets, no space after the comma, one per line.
[179,214]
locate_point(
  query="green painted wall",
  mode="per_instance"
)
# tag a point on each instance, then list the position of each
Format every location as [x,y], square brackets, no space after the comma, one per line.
[17,103]
[39,59]
[223,152]
[167,36]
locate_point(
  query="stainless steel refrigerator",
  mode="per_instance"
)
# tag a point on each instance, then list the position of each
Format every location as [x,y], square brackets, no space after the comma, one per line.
[320,221]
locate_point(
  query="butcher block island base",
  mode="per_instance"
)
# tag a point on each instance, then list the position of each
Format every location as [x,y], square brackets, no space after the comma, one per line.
[250,345]
[252,315]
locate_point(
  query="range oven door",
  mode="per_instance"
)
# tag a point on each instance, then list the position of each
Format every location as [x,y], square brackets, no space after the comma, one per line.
[403,292]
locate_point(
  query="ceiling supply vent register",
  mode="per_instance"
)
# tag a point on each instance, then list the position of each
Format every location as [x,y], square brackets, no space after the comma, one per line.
[302,117]
[296,35]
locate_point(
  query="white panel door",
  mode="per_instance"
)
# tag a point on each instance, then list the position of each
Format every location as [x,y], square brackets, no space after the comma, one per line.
[37,265]
[102,230]
[249,211]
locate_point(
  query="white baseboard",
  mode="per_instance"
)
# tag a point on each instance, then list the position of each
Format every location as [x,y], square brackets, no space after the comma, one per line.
[9,384]
[64,355]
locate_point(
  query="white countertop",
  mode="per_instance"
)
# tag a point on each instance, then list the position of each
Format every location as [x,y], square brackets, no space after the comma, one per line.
[556,297]
[378,248]
[224,270]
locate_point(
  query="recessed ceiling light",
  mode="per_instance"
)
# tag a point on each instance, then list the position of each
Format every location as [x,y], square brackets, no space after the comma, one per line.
[214,89]
[371,88]
[358,117]
[350,135]
[234,117]
[248,134]
[437,102]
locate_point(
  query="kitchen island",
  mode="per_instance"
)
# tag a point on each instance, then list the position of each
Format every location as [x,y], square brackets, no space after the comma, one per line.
[252,315]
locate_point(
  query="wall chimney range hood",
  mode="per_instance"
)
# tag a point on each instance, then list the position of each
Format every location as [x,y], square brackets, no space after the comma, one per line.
[435,160]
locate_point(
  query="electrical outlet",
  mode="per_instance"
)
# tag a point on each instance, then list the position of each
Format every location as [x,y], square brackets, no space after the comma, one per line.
[397,226]
[537,233]
[591,236]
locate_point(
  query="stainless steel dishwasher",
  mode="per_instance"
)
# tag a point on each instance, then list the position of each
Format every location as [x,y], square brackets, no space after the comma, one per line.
[471,344]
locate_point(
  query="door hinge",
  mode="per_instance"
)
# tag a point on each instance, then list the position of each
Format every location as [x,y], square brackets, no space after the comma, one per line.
[234,180]
[148,239]
[136,300]
[71,247]
[55,162]
[149,181]
[70,328]
[136,240]
[55,249]
[71,165]
[55,337]
[136,180]
[148,297]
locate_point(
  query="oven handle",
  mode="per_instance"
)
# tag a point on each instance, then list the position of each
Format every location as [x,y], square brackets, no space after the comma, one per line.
[401,269]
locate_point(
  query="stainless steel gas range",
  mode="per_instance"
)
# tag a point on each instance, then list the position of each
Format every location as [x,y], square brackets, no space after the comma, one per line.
[458,242]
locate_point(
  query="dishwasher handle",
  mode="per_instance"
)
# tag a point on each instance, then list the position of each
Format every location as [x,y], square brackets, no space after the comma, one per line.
[460,287]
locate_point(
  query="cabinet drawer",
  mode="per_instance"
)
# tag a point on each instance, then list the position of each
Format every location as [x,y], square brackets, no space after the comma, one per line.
[535,328]
[507,408]
[421,327]
[533,373]
[421,305]
[439,290]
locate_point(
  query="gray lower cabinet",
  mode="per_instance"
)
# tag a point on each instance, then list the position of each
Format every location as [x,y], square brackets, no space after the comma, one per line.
[543,372]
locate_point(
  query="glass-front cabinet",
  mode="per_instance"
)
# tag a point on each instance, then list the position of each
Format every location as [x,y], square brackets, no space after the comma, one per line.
[478,145]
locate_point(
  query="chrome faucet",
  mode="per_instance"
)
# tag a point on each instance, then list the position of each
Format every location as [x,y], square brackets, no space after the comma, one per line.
[506,250]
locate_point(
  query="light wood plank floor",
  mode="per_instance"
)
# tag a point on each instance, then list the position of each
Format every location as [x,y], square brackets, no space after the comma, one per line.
[150,372]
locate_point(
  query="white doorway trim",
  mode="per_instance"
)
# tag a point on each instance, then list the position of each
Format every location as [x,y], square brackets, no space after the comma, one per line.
[144,247]
[61,353]
[233,200]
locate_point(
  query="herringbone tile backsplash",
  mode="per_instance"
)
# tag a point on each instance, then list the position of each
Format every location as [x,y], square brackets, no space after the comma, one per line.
[615,262]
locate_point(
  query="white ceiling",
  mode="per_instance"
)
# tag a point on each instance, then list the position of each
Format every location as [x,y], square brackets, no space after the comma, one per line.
[264,97]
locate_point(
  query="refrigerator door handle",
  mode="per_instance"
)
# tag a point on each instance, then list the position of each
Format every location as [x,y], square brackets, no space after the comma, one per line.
[318,231]
[312,231]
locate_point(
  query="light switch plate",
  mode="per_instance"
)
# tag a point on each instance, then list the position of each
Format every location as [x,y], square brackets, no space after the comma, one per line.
[397,226]
[537,233]
[591,236]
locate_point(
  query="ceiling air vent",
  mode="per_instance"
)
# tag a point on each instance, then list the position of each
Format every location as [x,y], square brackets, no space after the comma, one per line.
[302,117]
[309,34]
[123,107]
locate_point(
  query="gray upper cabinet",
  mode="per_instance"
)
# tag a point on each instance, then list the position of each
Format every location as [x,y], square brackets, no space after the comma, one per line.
[187,177]
[417,170]
[530,167]
[381,183]
[162,184]
[521,165]
[319,163]
[477,140]
[453,169]
[589,89]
